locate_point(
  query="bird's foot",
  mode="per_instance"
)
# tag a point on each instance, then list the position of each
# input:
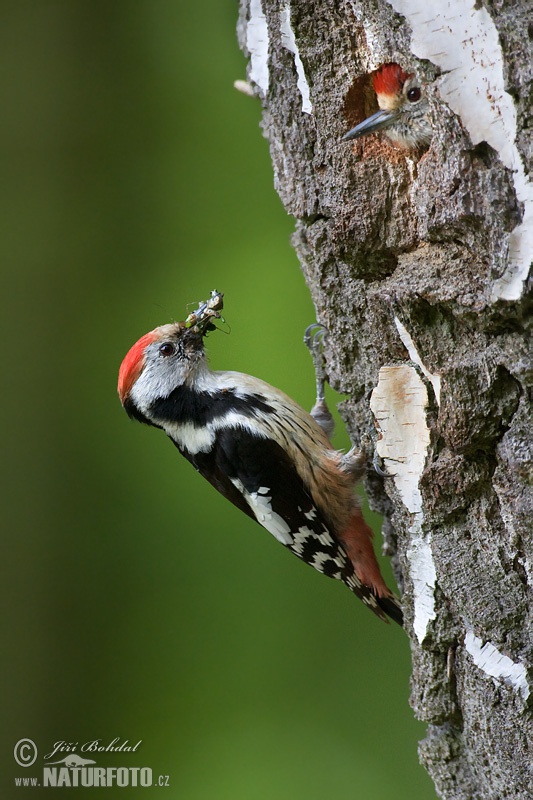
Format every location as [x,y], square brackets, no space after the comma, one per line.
[368,447]
[314,341]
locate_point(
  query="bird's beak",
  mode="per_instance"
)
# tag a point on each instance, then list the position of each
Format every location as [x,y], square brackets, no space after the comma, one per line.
[377,122]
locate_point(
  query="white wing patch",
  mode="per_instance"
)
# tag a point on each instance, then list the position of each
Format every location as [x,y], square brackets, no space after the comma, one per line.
[190,437]
[261,505]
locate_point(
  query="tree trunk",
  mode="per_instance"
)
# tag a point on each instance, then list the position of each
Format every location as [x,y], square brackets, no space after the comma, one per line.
[416,264]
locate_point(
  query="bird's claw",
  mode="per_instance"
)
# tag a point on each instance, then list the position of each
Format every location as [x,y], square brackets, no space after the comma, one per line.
[376,463]
[368,446]
[314,336]
[314,341]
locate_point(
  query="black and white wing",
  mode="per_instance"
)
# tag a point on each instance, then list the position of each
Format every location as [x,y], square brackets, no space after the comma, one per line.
[258,476]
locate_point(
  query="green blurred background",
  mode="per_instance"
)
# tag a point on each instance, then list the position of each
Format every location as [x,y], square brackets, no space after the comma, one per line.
[138,603]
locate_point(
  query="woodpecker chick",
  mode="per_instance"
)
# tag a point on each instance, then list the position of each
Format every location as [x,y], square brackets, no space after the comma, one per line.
[261,450]
[404,109]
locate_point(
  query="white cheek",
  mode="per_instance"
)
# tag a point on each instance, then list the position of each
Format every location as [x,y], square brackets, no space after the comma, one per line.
[387,102]
[158,380]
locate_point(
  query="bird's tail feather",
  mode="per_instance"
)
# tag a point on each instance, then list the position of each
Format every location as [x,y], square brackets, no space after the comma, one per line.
[391,607]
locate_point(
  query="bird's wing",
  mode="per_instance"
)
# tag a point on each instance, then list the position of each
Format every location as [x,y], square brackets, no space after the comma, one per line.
[258,476]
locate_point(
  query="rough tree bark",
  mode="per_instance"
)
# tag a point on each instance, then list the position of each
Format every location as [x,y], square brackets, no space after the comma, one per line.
[417,267]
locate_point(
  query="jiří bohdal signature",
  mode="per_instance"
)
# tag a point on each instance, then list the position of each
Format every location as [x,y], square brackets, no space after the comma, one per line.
[94,746]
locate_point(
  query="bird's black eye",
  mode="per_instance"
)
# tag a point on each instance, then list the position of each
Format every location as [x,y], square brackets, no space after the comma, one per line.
[414,94]
[167,349]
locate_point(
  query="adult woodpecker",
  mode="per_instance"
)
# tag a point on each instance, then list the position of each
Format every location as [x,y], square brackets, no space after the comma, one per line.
[260,449]
[404,109]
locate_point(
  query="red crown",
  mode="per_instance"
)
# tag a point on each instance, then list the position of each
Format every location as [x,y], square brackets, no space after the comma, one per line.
[131,367]
[389,79]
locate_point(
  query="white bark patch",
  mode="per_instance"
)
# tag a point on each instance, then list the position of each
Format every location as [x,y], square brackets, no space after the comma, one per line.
[399,404]
[496,664]
[257,45]
[464,42]
[423,576]
[288,40]
[407,340]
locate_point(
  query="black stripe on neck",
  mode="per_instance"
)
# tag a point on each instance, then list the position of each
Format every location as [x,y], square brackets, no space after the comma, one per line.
[188,405]
[134,413]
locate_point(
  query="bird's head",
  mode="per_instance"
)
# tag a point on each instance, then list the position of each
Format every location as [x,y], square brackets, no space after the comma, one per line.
[403,114]
[166,359]
[163,360]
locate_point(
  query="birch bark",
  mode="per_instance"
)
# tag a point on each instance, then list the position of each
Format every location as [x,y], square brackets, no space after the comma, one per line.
[418,268]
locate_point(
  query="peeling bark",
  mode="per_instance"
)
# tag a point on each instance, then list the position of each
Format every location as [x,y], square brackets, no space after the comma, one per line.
[416,265]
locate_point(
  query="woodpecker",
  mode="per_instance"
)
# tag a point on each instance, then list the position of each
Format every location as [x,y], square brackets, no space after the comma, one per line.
[260,449]
[404,109]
